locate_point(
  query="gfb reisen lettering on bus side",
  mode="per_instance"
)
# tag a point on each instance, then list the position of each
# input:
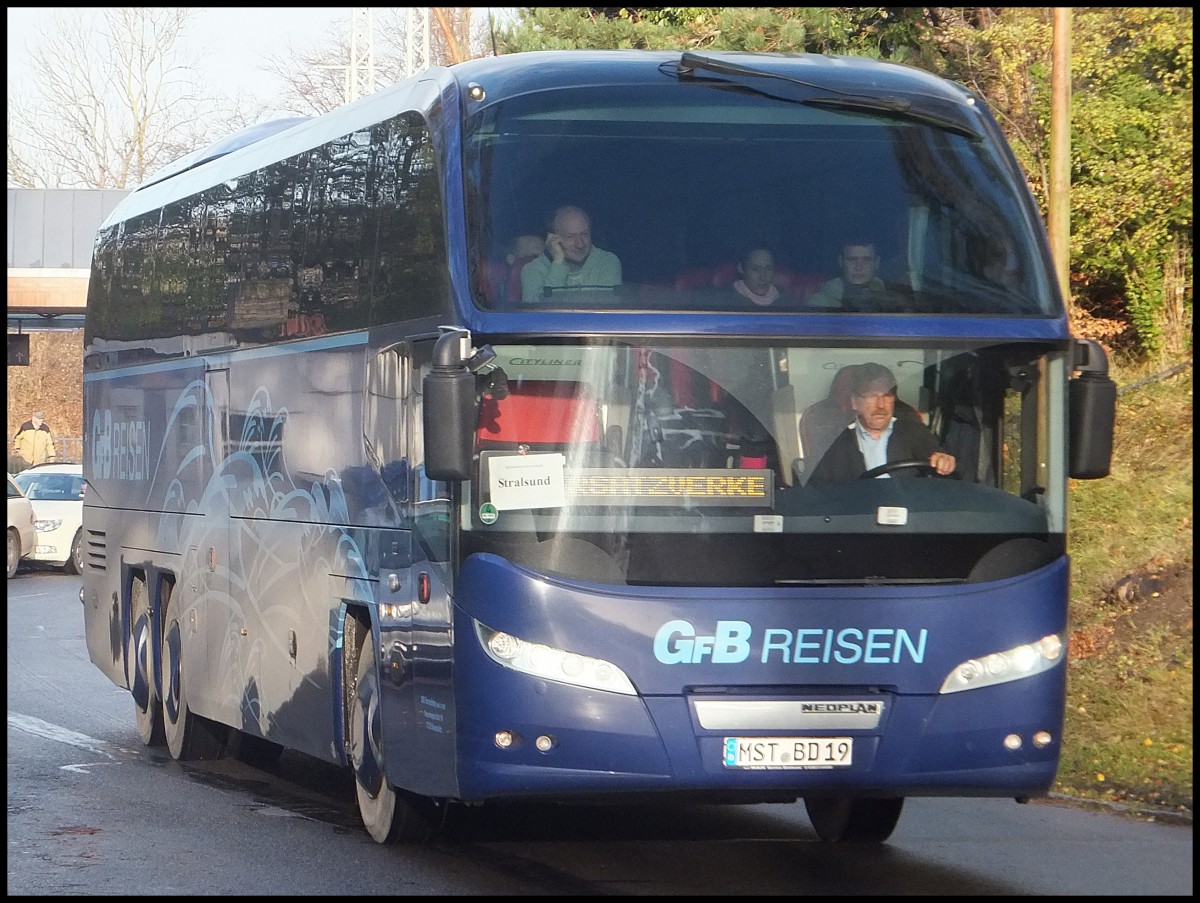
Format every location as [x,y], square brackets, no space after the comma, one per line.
[678,642]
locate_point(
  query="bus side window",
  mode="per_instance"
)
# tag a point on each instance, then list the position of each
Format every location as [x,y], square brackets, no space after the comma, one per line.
[383,421]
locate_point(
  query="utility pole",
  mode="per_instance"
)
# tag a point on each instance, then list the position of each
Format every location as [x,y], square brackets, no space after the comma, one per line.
[359,73]
[1058,194]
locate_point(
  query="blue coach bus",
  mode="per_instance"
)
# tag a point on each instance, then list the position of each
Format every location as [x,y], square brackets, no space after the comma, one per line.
[356,491]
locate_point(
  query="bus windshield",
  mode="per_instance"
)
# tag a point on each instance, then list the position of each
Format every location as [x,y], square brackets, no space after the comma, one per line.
[681,464]
[663,175]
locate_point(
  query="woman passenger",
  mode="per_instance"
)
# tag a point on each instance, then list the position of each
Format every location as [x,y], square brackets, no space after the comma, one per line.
[756,267]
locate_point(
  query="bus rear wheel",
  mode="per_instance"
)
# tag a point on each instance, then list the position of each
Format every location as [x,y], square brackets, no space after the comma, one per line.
[188,735]
[139,660]
[845,819]
[390,815]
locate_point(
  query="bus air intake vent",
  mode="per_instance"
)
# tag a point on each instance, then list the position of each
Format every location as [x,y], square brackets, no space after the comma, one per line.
[96,551]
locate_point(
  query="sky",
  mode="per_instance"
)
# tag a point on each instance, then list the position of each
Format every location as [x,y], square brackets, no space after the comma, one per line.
[227,42]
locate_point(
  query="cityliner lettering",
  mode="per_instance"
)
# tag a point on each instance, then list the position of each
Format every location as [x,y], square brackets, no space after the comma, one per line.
[678,642]
[544,362]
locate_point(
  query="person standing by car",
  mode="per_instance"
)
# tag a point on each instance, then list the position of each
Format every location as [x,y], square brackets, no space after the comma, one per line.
[34,443]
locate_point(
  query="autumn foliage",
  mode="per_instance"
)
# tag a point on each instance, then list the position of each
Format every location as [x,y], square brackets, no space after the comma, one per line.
[52,383]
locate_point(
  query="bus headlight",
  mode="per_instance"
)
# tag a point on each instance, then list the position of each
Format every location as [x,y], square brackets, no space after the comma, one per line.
[1000,667]
[553,664]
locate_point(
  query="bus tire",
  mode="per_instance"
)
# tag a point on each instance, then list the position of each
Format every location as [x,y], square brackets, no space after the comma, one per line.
[189,736]
[139,660]
[390,815]
[839,819]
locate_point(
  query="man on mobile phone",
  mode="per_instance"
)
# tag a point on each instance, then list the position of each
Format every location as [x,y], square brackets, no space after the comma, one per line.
[570,261]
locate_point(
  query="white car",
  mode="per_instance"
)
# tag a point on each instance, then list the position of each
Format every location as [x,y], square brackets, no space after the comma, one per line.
[21,535]
[56,493]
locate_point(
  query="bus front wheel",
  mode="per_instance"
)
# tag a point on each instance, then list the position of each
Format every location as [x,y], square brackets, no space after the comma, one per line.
[389,815]
[846,819]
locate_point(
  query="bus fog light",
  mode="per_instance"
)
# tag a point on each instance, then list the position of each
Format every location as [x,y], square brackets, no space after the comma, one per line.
[1013,742]
[544,743]
[504,739]
[1042,739]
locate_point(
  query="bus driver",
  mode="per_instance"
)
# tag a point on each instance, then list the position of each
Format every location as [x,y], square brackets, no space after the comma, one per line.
[876,436]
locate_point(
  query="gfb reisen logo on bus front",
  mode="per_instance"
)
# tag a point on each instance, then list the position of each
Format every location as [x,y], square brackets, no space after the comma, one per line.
[679,643]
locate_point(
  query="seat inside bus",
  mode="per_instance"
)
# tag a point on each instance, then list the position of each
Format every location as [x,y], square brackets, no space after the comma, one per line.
[544,415]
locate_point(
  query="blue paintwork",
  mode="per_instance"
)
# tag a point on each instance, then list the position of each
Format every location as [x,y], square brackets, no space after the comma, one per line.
[925,744]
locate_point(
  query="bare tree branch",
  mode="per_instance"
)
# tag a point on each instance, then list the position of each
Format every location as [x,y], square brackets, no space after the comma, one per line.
[314,77]
[113,100]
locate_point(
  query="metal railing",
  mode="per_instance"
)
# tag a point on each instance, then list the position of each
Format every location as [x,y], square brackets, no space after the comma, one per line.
[70,450]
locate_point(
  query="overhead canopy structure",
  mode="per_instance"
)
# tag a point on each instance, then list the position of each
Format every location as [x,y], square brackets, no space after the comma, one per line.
[49,252]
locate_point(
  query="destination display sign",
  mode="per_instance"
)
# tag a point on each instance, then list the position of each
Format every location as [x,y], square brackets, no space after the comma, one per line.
[541,481]
[670,486]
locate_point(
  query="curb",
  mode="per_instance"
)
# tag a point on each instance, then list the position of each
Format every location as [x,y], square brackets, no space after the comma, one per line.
[1148,813]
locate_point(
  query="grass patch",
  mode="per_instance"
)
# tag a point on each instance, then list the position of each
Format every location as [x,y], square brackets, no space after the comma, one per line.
[1128,734]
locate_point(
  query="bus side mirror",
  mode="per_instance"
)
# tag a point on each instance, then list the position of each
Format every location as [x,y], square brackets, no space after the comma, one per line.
[1092,402]
[449,411]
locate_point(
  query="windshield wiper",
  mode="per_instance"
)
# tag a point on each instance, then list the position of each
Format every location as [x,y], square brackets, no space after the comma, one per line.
[690,62]
[897,107]
[890,106]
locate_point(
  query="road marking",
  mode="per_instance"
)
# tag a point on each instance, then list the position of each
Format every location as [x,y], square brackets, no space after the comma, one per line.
[83,767]
[49,731]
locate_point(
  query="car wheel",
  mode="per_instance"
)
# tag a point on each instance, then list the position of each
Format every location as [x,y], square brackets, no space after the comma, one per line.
[74,563]
[14,552]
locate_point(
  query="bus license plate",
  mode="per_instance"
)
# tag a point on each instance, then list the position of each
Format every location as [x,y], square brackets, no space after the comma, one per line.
[788,752]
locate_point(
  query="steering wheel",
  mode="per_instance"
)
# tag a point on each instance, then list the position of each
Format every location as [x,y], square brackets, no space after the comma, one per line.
[923,468]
